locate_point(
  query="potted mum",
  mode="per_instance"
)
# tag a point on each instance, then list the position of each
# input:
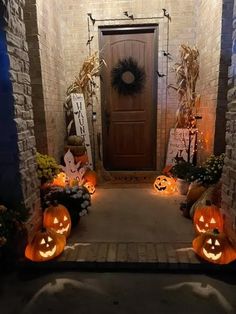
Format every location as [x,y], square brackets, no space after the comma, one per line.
[182,171]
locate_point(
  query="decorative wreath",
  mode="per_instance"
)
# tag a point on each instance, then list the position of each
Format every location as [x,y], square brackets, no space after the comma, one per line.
[127,78]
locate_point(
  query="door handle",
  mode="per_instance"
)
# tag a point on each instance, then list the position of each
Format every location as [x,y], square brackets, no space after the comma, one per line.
[107,120]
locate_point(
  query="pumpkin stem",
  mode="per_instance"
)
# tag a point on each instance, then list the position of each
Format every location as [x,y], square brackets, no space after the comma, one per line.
[208,203]
[216,231]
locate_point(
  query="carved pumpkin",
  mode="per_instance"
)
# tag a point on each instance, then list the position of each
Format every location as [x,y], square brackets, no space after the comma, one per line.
[207,217]
[45,245]
[90,187]
[164,185]
[214,247]
[57,218]
[91,176]
[60,180]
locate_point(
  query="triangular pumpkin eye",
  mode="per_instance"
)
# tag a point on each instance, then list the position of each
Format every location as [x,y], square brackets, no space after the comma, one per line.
[55,221]
[49,239]
[201,219]
[212,221]
[209,241]
[217,243]
[65,218]
[42,241]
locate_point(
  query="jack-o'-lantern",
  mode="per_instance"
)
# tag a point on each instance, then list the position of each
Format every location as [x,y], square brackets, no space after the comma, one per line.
[60,180]
[208,217]
[45,245]
[214,247]
[90,176]
[164,185]
[57,218]
[90,187]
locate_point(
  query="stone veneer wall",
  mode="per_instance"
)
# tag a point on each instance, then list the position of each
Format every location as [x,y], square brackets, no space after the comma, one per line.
[18,179]
[213,41]
[229,172]
[182,30]
[47,74]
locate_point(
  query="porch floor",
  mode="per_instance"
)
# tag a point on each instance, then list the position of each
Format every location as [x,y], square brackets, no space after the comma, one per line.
[131,228]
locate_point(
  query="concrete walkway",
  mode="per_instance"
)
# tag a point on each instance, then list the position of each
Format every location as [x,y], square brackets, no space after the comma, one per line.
[133,215]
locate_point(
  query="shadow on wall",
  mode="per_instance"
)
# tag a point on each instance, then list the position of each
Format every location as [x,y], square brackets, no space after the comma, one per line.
[10,191]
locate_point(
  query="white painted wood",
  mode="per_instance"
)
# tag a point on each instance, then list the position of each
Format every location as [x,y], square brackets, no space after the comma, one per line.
[81,123]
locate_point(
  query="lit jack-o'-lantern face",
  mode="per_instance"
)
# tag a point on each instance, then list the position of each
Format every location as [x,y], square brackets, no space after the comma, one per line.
[45,245]
[164,185]
[214,247]
[90,187]
[207,217]
[58,219]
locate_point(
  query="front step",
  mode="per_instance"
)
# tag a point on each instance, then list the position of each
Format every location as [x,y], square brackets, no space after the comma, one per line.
[131,257]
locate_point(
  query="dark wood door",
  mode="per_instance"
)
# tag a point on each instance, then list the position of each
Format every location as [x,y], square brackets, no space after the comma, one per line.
[129,132]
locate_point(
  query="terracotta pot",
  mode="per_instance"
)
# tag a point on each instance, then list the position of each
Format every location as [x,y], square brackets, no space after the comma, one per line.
[182,186]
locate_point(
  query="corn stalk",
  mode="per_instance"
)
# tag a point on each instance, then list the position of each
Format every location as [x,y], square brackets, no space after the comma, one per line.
[84,83]
[187,72]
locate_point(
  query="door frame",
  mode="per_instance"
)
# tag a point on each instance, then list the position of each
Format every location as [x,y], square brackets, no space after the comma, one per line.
[129,29]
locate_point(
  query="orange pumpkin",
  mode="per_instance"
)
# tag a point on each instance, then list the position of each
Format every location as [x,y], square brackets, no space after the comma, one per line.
[214,247]
[60,180]
[90,187]
[83,159]
[57,218]
[164,185]
[45,245]
[90,176]
[207,217]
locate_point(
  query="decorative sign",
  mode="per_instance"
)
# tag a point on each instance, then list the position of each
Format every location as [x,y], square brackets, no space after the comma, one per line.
[81,123]
[181,145]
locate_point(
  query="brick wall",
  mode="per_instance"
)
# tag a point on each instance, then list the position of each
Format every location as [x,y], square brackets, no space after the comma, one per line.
[214,43]
[18,180]
[47,74]
[182,30]
[229,172]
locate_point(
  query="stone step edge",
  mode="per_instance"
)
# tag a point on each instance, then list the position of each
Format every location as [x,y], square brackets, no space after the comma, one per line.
[126,266]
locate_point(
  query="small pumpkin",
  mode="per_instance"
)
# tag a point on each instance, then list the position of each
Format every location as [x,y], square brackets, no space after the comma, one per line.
[83,159]
[90,176]
[57,218]
[164,185]
[45,245]
[75,140]
[207,217]
[60,180]
[194,193]
[90,187]
[214,247]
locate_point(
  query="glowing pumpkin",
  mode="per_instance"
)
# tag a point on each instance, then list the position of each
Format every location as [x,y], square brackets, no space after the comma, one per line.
[164,185]
[57,218]
[214,247]
[207,217]
[60,180]
[91,176]
[45,245]
[90,187]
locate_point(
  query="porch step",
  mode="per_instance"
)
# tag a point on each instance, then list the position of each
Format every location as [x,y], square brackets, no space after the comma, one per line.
[131,257]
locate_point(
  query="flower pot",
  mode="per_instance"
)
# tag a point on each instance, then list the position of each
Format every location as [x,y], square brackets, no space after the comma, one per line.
[182,186]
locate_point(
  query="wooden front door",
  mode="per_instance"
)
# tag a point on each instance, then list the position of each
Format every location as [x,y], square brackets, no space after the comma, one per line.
[129,121]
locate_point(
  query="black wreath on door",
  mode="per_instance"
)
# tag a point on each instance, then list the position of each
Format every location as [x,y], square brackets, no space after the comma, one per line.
[127,78]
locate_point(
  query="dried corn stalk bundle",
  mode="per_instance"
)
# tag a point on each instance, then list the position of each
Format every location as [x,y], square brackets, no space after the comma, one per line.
[187,72]
[84,83]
